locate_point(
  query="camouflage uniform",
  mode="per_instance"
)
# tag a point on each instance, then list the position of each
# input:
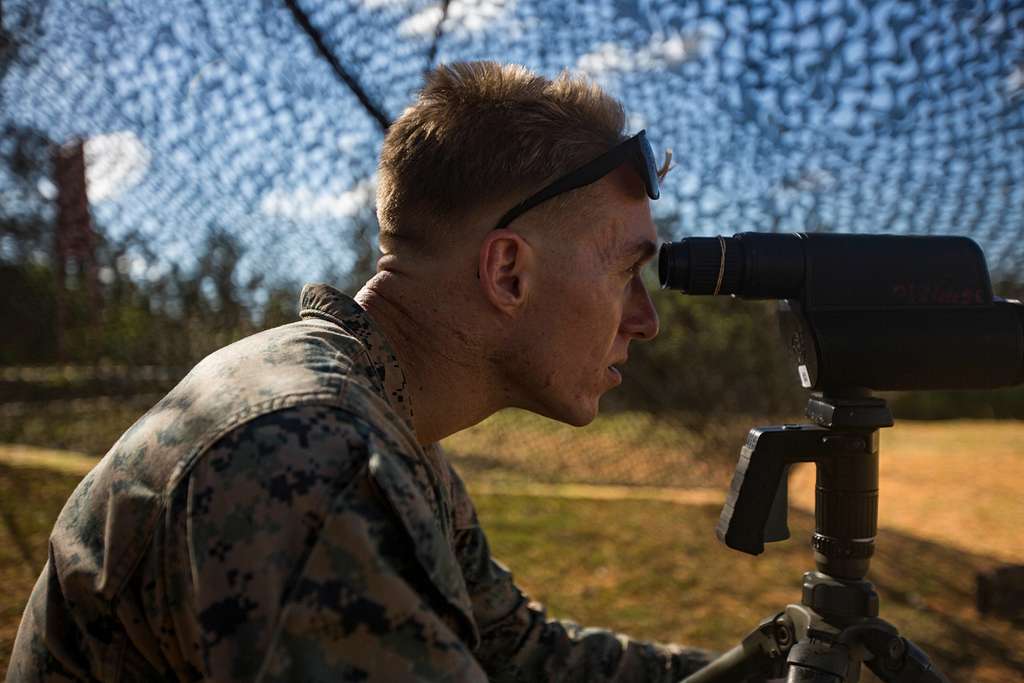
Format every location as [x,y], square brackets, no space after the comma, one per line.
[273,518]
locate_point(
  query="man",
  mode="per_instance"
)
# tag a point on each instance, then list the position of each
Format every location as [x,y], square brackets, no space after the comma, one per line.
[285,513]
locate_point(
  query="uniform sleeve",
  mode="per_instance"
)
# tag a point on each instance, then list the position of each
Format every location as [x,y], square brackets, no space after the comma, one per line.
[519,643]
[299,570]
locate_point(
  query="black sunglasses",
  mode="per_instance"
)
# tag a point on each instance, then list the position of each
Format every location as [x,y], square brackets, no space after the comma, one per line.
[636,150]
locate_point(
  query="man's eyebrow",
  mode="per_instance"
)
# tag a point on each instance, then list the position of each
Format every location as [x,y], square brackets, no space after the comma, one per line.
[641,251]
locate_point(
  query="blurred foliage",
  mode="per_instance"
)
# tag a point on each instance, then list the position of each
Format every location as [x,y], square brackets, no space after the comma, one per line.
[146,313]
[170,318]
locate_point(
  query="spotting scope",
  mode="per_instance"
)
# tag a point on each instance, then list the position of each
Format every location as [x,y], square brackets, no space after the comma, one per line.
[860,313]
[876,312]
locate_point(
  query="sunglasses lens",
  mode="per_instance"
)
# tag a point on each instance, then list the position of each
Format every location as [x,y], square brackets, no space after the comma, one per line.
[649,170]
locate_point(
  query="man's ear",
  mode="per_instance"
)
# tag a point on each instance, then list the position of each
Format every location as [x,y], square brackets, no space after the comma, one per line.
[505,267]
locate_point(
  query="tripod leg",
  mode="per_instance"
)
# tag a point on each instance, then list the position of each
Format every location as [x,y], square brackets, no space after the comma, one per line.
[735,666]
[761,656]
[904,662]
[894,659]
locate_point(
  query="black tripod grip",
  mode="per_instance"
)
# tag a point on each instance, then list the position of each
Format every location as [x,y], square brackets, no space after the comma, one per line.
[747,520]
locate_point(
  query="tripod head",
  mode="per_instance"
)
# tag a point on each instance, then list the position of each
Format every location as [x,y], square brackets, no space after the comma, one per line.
[843,444]
[836,627]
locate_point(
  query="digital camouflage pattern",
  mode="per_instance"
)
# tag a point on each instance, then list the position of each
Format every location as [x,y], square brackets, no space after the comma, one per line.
[273,518]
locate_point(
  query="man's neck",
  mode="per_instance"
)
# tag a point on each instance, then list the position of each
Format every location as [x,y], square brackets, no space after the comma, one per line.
[445,371]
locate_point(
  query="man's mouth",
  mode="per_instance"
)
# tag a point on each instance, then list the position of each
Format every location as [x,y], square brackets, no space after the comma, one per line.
[613,369]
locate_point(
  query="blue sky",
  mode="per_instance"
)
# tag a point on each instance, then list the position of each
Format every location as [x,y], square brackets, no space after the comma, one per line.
[866,117]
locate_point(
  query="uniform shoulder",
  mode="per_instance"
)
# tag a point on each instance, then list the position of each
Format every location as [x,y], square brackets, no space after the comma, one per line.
[305,358]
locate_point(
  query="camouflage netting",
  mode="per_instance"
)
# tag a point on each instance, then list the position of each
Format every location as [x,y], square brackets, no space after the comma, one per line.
[235,143]
[888,116]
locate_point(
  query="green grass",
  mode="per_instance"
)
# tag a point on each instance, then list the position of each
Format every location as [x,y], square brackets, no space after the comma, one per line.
[649,569]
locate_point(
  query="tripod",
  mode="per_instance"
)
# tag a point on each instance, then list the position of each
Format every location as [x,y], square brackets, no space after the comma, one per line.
[836,627]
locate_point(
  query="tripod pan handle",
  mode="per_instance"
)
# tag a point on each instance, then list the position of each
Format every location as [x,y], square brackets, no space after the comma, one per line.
[752,514]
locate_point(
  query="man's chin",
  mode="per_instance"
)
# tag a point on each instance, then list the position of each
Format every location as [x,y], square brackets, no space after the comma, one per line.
[578,415]
[580,420]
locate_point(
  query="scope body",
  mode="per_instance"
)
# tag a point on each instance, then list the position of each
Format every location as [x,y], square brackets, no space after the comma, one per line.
[876,312]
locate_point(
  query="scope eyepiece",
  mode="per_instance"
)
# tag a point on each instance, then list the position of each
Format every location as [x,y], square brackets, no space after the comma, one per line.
[751,265]
[701,265]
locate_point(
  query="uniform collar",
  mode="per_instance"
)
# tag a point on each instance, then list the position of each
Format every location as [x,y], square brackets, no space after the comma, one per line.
[327,303]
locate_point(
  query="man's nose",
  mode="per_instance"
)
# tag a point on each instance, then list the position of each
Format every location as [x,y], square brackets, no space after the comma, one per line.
[640,319]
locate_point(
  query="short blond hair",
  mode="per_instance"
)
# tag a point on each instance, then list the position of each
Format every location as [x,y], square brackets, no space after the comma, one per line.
[480,133]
